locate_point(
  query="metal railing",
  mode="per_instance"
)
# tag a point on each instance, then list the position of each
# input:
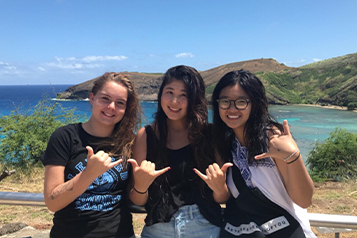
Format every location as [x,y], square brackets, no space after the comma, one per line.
[324,223]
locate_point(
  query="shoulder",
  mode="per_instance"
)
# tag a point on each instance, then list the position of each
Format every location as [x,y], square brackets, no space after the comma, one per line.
[70,128]
[66,131]
[141,133]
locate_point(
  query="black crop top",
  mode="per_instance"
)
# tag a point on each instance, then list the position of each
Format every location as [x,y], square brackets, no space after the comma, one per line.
[177,187]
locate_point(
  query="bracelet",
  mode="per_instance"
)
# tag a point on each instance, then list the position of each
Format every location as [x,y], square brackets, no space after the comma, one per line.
[291,155]
[290,162]
[139,191]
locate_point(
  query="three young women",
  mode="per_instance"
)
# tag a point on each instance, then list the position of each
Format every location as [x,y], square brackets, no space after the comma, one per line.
[86,169]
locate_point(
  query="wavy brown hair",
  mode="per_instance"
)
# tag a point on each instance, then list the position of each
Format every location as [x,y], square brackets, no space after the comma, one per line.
[123,135]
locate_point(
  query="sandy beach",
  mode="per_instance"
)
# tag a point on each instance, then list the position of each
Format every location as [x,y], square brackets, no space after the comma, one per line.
[328,106]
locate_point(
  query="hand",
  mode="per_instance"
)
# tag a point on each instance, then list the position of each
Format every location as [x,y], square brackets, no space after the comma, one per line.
[215,177]
[145,174]
[281,145]
[99,163]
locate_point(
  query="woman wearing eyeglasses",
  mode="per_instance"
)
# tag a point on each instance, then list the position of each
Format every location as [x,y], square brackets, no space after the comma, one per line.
[269,183]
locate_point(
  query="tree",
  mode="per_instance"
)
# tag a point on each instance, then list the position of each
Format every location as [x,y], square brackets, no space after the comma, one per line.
[336,158]
[24,137]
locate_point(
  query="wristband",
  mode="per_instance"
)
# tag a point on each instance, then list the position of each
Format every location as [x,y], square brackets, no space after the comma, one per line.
[139,191]
[291,155]
[290,162]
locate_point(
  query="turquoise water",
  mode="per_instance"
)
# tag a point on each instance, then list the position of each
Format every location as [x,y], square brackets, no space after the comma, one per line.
[307,124]
[313,124]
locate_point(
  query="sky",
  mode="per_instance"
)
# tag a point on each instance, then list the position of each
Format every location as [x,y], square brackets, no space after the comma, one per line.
[72,41]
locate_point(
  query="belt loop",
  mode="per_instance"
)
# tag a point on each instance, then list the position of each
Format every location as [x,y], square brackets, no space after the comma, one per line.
[191,212]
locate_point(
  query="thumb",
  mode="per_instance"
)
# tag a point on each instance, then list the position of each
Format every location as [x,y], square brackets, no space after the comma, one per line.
[262,156]
[286,127]
[161,171]
[133,163]
[115,163]
[90,151]
[201,175]
[225,167]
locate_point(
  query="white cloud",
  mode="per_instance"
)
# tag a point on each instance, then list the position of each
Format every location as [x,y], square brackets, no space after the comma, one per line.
[6,66]
[92,58]
[41,69]
[65,65]
[184,55]
[103,58]
[316,59]
[83,63]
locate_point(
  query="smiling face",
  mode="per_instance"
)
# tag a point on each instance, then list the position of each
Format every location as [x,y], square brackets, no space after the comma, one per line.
[232,117]
[174,100]
[109,104]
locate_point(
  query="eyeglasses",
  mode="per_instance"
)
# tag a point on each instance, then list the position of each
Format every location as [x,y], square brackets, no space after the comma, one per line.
[239,103]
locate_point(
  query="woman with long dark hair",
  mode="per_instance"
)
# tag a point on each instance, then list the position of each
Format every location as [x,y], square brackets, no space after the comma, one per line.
[177,201]
[268,181]
[86,171]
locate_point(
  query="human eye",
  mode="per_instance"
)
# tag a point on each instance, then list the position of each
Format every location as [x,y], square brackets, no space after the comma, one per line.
[121,103]
[105,99]
[241,102]
[224,102]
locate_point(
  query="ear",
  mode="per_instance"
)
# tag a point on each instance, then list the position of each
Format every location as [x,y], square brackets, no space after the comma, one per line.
[91,98]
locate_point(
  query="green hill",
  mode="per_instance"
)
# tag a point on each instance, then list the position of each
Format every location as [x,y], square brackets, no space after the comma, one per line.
[332,81]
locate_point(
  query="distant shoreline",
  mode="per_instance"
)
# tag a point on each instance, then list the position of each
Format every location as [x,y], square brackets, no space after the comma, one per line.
[328,106]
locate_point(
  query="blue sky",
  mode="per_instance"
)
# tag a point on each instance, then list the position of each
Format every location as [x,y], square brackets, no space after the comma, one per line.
[71,41]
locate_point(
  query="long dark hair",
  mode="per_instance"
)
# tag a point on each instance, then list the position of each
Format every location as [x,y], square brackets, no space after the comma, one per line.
[123,135]
[255,129]
[199,132]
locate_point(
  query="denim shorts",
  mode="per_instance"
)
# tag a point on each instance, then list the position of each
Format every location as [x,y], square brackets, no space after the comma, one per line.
[187,222]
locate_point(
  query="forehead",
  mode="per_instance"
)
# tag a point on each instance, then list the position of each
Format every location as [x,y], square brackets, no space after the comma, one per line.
[234,91]
[115,90]
[176,85]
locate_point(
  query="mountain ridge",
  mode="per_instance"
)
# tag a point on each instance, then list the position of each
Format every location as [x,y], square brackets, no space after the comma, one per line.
[331,81]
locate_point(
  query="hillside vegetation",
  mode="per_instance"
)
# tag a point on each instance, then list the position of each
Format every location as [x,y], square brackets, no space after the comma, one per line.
[332,81]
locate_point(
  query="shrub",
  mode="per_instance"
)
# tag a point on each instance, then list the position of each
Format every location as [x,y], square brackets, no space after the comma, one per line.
[24,137]
[352,106]
[336,158]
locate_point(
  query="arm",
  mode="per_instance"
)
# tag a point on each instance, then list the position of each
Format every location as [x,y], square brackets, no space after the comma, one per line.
[139,154]
[297,181]
[144,172]
[58,194]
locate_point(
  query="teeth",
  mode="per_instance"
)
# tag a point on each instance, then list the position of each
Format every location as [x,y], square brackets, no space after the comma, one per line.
[232,117]
[109,115]
[174,109]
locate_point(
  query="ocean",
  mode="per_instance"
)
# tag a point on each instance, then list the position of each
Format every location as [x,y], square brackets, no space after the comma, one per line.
[307,124]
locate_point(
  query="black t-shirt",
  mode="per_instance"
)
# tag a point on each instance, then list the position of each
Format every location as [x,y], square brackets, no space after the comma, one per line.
[102,210]
[177,187]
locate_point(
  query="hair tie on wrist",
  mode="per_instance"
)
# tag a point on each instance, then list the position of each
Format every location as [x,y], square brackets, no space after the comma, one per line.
[291,155]
[290,162]
[139,191]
